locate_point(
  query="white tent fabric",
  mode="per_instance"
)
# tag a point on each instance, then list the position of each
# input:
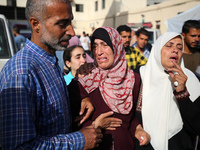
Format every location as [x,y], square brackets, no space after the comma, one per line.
[175,24]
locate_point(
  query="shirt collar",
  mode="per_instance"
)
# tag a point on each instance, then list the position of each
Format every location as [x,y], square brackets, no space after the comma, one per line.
[35,49]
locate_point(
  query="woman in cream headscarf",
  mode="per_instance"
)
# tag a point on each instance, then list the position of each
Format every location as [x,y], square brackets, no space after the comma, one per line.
[166,80]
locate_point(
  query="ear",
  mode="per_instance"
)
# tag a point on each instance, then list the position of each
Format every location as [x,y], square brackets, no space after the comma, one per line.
[35,24]
[68,64]
[183,34]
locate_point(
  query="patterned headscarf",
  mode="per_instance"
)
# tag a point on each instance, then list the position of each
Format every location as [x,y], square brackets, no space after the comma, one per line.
[115,83]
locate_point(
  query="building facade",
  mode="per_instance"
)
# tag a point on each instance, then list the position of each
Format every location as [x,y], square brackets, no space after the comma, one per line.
[91,14]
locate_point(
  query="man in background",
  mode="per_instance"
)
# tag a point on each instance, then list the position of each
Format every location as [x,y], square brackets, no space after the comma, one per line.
[134,57]
[141,44]
[86,43]
[191,35]
[19,39]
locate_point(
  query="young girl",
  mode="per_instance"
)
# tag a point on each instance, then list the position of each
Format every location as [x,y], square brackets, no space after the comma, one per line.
[73,57]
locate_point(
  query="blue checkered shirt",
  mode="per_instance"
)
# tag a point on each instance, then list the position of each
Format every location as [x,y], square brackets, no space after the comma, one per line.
[34,105]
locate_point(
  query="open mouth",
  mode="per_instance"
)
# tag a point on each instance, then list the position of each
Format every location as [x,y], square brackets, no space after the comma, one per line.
[175,59]
[102,59]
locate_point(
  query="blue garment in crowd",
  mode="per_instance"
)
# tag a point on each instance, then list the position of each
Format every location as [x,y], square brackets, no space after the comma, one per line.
[146,52]
[59,55]
[34,103]
[68,78]
[20,39]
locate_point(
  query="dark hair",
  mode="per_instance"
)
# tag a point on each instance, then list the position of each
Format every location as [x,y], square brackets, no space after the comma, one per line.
[68,54]
[190,24]
[142,31]
[101,34]
[123,28]
[16,29]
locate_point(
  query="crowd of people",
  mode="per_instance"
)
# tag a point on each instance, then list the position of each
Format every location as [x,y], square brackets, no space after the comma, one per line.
[64,92]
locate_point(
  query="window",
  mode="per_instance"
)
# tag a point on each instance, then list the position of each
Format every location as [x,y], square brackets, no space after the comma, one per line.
[79,7]
[158,24]
[96,6]
[103,4]
[154,2]
[11,3]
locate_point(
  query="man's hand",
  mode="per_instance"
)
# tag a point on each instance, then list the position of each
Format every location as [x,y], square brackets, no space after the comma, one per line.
[84,69]
[86,108]
[142,136]
[93,137]
[180,77]
[106,122]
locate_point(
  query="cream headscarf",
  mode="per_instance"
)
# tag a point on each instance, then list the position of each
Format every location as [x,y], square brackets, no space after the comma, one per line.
[160,112]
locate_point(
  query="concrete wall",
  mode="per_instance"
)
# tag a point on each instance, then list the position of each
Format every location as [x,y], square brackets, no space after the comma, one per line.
[119,12]
[162,12]
[21,3]
[3,2]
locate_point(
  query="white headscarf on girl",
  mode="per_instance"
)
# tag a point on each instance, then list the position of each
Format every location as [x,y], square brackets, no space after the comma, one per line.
[160,112]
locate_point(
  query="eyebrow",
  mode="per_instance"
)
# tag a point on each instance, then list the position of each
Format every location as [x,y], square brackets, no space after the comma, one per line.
[173,43]
[79,54]
[100,43]
[180,43]
[64,20]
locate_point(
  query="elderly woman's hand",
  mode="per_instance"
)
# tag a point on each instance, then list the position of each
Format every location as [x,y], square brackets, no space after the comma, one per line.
[179,78]
[84,69]
[142,136]
[107,122]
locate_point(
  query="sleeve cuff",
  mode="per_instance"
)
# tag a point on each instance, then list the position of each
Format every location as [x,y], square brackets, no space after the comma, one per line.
[181,95]
[79,140]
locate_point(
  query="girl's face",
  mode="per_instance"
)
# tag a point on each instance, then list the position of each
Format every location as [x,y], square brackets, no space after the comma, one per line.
[103,54]
[78,57]
[171,52]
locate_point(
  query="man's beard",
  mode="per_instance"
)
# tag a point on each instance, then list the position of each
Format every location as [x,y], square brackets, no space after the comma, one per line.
[192,49]
[127,43]
[52,42]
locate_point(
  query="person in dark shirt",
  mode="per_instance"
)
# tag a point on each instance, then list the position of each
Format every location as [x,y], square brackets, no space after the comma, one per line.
[191,54]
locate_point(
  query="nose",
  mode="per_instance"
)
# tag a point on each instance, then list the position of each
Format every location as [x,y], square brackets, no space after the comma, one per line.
[83,60]
[197,38]
[70,30]
[175,50]
[98,50]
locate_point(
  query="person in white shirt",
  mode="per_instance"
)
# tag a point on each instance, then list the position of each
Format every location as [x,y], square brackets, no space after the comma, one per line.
[85,42]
